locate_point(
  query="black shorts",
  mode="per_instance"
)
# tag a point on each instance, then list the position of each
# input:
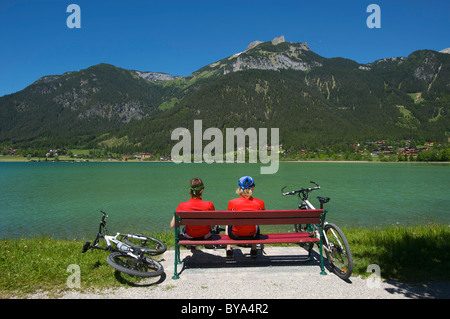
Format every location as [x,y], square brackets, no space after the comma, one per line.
[186,236]
[236,237]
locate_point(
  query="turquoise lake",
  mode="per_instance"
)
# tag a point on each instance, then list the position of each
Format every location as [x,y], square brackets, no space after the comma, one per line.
[63,200]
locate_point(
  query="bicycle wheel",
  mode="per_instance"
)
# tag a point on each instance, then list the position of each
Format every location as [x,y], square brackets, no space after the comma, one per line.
[150,245]
[141,267]
[338,251]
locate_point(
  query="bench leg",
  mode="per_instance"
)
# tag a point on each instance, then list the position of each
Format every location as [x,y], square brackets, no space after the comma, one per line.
[322,267]
[177,259]
[176,262]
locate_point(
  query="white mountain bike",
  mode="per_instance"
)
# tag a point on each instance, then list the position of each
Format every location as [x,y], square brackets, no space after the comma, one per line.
[335,244]
[129,252]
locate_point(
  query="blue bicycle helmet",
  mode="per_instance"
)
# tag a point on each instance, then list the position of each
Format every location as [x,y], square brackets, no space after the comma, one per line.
[246,182]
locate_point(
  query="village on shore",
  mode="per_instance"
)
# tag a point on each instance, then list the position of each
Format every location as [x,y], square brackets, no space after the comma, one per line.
[381,151]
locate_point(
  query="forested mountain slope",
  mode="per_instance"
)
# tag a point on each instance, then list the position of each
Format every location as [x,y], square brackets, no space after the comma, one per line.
[314,101]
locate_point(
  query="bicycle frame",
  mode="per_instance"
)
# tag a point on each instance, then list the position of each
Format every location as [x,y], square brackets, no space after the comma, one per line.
[332,245]
[126,256]
[121,246]
[305,204]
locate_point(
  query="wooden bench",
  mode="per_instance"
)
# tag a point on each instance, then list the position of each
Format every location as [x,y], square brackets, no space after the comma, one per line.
[260,217]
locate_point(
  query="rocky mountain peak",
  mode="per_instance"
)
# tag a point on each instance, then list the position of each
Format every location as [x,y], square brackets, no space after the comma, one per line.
[278,40]
[156,76]
[268,56]
[252,45]
[274,41]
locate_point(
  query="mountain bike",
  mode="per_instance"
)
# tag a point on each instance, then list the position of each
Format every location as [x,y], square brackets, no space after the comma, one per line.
[129,252]
[335,244]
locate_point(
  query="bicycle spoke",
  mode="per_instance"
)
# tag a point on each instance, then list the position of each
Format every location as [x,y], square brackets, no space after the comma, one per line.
[334,242]
[149,244]
[338,254]
[144,267]
[129,257]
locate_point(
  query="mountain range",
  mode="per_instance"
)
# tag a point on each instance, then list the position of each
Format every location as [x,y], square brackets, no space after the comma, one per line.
[314,101]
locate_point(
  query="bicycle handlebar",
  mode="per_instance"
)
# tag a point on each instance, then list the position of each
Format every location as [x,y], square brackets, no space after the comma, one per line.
[301,190]
[104,216]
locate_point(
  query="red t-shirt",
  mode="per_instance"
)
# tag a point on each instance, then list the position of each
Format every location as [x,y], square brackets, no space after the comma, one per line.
[196,204]
[245,204]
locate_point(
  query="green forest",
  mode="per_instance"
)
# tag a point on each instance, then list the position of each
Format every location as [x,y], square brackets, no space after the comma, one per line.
[321,112]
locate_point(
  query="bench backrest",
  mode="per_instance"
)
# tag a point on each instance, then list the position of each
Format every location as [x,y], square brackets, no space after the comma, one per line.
[259,217]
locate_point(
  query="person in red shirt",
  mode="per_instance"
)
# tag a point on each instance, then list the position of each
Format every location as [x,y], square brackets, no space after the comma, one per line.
[196,203]
[245,202]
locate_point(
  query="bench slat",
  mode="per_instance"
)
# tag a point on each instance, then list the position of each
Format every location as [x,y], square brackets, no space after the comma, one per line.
[252,221]
[247,214]
[261,217]
[264,239]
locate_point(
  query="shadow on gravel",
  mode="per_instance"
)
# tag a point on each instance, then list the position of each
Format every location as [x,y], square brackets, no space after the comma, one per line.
[429,290]
[138,281]
[216,259]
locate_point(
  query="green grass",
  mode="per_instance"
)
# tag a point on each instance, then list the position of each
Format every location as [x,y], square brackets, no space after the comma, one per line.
[168,104]
[33,264]
[417,97]
[405,254]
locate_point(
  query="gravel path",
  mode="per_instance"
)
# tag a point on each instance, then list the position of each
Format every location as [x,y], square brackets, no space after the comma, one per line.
[205,274]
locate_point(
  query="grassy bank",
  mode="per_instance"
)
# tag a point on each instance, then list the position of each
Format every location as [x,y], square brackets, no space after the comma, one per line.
[405,254]
[418,253]
[32,264]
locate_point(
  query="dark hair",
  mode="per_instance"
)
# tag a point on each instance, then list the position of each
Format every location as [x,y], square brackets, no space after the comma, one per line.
[196,187]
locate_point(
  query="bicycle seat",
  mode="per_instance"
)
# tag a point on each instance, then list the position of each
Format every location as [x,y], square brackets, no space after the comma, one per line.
[323,200]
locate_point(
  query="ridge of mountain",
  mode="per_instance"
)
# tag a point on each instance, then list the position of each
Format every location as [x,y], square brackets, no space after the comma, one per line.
[271,55]
[157,76]
[313,100]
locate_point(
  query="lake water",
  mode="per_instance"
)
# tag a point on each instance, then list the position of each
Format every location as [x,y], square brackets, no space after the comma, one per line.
[63,200]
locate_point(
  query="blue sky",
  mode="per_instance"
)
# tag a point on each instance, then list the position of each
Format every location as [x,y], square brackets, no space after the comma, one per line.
[179,37]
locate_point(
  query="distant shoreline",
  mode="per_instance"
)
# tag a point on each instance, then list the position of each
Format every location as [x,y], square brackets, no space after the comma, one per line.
[36,160]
